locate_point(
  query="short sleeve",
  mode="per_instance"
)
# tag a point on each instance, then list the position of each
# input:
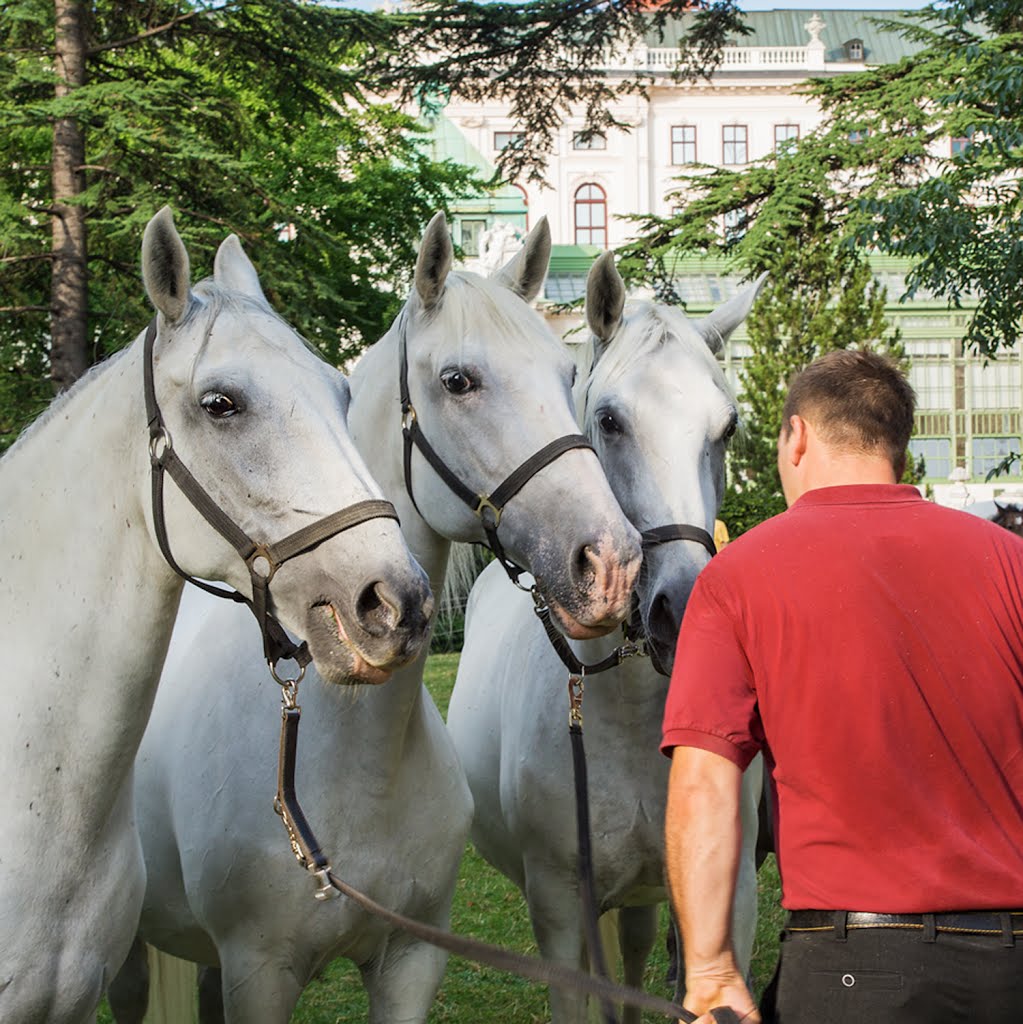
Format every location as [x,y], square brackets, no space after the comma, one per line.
[712,702]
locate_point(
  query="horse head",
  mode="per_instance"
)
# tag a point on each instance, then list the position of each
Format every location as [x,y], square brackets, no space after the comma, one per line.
[660,414]
[491,387]
[259,419]
[1010,516]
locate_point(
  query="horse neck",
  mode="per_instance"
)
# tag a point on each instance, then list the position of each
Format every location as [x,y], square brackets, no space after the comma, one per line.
[374,420]
[82,588]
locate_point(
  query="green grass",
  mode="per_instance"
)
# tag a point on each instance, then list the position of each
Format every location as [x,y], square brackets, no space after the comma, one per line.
[489,907]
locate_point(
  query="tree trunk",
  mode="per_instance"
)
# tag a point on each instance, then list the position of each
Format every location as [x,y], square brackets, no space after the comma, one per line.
[69,297]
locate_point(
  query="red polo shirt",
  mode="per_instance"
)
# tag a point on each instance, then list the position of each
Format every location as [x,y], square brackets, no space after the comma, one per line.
[871,644]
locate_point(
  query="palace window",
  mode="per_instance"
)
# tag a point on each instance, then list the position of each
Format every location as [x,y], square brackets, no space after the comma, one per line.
[683,144]
[959,144]
[471,232]
[734,144]
[937,453]
[785,136]
[734,225]
[590,215]
[506,140]
[988,452]
[995,386]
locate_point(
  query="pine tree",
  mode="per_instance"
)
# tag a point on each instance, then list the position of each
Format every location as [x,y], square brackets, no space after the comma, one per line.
[245,117]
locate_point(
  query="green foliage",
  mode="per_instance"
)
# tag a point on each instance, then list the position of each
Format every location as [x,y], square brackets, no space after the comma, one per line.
[243,117]
[897,188]
[741,510]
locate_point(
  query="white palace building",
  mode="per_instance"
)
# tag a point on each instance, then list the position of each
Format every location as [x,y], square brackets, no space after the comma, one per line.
[969,414]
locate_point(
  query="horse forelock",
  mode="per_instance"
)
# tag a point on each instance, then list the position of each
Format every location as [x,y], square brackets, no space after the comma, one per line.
[216,299]
[645,328]
[473,306]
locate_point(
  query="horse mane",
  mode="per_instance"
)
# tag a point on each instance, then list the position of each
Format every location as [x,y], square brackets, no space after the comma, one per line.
[61,400]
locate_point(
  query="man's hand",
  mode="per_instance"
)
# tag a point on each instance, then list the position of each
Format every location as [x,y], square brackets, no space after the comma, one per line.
[723,987]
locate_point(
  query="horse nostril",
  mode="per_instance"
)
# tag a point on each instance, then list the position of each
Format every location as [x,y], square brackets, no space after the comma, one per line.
[587,564]
[376,610]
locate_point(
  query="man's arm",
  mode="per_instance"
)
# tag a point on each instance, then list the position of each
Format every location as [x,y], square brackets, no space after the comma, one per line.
[703,838]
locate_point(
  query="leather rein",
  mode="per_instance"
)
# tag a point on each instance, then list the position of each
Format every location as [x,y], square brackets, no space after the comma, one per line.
[262,560]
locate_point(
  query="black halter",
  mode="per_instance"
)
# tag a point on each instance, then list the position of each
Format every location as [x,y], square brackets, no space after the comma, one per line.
[263,560]
[488,507]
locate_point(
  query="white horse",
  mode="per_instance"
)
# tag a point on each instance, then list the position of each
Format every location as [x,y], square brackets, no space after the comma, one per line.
[377,775]
[660,414]
[87,599]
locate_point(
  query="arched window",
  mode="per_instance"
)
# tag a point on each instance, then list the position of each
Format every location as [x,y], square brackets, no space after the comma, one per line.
[590,215]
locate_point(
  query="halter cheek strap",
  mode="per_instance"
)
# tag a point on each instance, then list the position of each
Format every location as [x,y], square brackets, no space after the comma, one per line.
[262,560]
[488,507]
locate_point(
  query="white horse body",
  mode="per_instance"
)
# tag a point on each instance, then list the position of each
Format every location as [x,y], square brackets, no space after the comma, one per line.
[659,413]
[87,600]
[377,776]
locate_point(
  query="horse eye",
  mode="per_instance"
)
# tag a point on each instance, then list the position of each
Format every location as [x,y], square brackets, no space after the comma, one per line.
[608,424]
[456,382]
[218,405]
[733,423]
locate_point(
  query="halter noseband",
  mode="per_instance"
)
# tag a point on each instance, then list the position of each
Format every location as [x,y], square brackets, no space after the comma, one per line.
[262,560]
[488,507]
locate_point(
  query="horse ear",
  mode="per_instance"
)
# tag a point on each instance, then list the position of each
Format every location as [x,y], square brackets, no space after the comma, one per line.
[1001,508]
[165,269]
[717,328]
[605,300]
[233,270]
[526,271]
[434,261]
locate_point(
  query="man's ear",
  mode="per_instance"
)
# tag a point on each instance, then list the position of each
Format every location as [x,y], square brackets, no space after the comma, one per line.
[799,434]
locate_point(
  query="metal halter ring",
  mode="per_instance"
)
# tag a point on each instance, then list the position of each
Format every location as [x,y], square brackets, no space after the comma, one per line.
[161,433]
[290,686]
[485,503]
[260,552]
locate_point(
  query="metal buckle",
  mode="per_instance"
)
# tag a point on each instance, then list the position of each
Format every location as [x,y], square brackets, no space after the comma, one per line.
[484,503]
[575,699]
[408,417]
[326,890]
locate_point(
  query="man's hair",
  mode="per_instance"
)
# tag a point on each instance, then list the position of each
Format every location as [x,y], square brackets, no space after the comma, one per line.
[856,400]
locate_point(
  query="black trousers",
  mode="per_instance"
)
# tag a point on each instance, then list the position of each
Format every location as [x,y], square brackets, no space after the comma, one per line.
[894,976]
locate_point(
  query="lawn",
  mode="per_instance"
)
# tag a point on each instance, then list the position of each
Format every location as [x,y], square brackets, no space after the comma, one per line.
[489,907]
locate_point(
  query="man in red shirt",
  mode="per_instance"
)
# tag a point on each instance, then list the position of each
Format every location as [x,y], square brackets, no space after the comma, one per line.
[870,643]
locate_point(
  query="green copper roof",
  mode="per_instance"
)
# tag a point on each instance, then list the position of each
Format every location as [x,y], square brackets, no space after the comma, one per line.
[785,28]
[448,143]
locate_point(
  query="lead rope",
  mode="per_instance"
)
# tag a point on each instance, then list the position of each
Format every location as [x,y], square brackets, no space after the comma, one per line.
[577,672]
[303,841]
[308,853]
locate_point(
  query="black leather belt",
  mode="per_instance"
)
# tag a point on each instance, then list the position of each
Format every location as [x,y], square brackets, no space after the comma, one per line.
[971,922]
